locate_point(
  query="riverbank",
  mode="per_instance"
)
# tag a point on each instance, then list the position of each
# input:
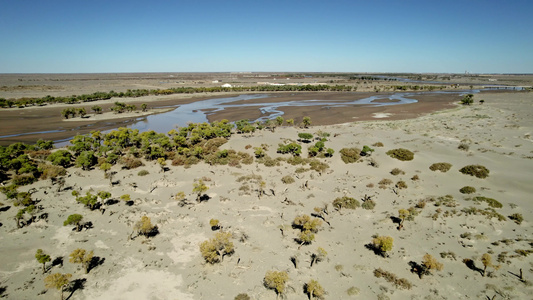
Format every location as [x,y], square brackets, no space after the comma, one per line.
[18,124]
[455,228]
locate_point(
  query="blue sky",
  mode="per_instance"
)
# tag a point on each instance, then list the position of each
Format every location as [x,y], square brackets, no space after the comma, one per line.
[75,36]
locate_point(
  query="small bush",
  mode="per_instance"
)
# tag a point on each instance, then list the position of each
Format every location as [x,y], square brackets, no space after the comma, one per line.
[443,167]
[287,179]
[346,202]
[517,218]
[51,171]
[385,181]
[397,171]
[23,179]
[378,144]
[368,204]
[213,250]
[415,178]
[350,155]
[401,154]
[242,296]
[143,173]
[383,244]
[314,289]
[467,190]
[276,281]
[463,146]
[475,170]
[130,162]
[401,184]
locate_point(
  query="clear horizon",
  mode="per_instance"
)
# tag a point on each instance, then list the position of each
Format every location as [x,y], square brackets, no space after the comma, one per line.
[478,37]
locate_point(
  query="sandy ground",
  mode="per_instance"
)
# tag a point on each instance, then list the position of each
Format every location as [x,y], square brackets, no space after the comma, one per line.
[169,265]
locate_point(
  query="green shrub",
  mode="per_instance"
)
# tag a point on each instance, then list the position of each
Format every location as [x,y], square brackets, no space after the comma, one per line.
[475,170]
[443,167]
[350,155]
[401,154]
[305,136]
[291,148]
[346,202]
[143,173]
[467,190]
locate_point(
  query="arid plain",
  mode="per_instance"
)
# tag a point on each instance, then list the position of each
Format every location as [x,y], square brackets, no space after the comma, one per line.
[257,203]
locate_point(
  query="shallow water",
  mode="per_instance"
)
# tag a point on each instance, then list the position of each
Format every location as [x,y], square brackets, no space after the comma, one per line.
[192,112]
[198,111]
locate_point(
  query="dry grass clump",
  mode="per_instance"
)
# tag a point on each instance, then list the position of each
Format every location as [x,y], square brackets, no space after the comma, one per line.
[143,173]
[401,154]
[51,171]
[129,162]
[475,170]
[368,204]
[397,171]
[378,144]
[415,177]
[401,283]
[442,166]
[385,181]
[350,155]
[346,202]
[467,190]
[401,184]
[491,202]
[463,146]
[23,179]
[517,218]
[287,179]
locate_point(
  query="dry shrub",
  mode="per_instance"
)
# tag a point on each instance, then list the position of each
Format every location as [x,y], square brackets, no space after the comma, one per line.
[401,283]
[23,179]
[378,144]
[385,181]
[346,202]
[467,190]
[442,166]
[39,154]
[401,154]
[397,171]
[130,162]
[51,171]
[350,155]
[401,184]
[287,179]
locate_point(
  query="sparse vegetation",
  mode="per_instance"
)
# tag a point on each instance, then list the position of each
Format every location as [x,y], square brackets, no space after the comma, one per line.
[287,179]
[81,256]
[517,218]
[383,244]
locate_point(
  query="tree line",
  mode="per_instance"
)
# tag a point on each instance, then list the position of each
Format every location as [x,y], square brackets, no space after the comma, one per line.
[29,101]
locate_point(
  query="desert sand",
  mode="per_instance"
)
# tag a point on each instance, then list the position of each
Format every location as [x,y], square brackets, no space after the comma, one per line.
[496,134]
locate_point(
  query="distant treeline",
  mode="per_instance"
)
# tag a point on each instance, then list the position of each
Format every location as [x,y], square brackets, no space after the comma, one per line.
[22,102]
